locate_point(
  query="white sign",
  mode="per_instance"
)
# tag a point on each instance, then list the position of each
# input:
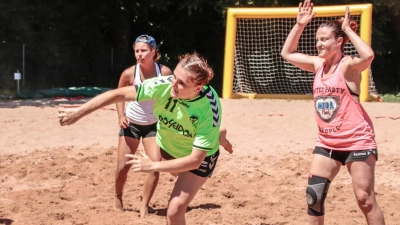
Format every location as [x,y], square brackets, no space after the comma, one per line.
[17,76]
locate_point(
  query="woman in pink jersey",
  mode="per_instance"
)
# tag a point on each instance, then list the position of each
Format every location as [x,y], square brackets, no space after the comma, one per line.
[345,131]
[137,120]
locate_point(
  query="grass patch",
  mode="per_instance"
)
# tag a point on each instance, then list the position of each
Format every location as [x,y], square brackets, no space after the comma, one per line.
[391,97]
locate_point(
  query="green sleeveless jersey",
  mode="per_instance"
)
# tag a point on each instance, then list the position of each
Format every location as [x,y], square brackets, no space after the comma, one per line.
[183,124]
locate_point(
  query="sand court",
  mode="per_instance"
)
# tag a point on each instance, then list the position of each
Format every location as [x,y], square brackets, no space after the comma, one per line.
[65,175]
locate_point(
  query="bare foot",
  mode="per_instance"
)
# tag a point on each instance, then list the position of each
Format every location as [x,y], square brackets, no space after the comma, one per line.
[223,141]
[144,211]
[118,205]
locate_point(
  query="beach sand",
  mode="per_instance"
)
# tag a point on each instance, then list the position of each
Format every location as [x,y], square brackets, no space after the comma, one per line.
[65,175]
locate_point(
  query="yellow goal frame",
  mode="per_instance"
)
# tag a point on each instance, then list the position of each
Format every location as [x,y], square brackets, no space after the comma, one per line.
[364,10]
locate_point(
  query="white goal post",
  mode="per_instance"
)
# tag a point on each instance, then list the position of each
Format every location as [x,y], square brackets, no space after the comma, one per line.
[253,66]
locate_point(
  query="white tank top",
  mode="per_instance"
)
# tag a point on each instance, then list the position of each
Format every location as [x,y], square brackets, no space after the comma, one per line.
[141,112]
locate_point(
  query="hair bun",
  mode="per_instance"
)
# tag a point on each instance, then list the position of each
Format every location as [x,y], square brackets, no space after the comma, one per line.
[353,25]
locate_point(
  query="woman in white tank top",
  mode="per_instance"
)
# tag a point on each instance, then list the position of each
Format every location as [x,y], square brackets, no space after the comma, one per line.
[137,121]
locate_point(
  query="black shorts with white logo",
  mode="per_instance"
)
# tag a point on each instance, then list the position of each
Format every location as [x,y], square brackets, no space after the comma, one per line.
[139,131]
[206,168]
[346,156]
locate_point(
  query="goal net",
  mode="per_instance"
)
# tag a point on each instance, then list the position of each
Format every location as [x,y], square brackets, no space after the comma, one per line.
[258,70]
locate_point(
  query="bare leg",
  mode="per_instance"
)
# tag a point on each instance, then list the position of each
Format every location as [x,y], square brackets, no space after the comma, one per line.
[174,174]
[126,145]
[328,168]
[186,187]
[150,184]
[363,179]
[223,141]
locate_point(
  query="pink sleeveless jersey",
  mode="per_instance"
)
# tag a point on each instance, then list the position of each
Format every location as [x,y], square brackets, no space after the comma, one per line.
[342,122]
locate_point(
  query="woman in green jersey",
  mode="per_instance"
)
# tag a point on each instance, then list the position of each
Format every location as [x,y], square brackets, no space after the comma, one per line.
[188,129]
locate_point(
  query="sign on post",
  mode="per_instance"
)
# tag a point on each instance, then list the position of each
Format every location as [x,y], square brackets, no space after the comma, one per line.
[17,76]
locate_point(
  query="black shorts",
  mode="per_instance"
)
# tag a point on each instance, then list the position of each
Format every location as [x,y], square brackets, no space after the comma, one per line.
[346,156]
[206,168]
[139,131]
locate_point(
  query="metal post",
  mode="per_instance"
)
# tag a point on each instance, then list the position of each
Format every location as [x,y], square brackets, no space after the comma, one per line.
[23,65]
[17,76]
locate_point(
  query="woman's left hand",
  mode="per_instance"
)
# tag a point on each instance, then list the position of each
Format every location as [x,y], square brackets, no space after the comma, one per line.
[140,162]
[346,21]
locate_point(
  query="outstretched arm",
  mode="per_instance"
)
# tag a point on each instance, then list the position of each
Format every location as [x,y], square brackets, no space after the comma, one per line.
[365,52]
[142,163]
[71,115]
[289,49]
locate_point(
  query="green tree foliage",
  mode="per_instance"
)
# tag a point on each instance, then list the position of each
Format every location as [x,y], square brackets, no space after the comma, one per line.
[75,39]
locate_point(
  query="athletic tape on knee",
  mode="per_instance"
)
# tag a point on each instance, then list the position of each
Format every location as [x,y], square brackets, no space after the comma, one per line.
[316,193]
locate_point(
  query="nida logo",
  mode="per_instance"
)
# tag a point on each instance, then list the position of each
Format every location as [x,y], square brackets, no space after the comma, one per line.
[327,107]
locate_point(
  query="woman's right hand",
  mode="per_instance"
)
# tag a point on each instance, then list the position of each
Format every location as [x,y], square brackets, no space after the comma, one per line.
[123,122]
[68,116]
[305,14]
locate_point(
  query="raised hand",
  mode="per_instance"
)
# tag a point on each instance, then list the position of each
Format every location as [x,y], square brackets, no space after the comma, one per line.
[140,163]
[346,21]
[305,14]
